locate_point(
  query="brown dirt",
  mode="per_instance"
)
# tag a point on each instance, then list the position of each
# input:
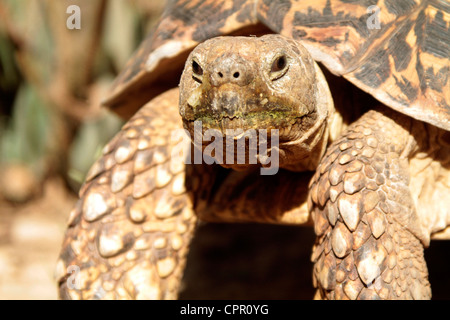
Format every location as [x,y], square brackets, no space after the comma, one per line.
[30,238]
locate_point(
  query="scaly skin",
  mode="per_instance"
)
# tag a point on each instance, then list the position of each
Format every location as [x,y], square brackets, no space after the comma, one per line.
[130,230]
[369,237]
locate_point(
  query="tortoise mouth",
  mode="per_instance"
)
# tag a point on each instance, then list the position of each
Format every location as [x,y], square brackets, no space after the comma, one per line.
[273,119]
[239,109]
[282,124]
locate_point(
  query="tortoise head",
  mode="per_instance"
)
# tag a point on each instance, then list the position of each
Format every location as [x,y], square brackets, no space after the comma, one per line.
[239,86]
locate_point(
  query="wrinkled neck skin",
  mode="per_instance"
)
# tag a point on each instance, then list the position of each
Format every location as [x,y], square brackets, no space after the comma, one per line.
[306,152]
[241,116]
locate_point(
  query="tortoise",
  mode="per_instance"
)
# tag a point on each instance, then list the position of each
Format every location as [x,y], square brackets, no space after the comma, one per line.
[369,170]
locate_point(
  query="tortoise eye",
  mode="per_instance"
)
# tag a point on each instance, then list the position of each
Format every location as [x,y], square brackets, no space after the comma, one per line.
[278,64]
[196,68]
[279,67]
[197,71]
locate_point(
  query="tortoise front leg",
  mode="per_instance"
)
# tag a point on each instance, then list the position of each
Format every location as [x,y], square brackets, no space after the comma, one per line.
[369,241]
[130,231]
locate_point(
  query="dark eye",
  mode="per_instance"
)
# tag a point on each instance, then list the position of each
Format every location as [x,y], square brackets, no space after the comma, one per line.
[279,67]
[279,64]
[197,71]
[196,68]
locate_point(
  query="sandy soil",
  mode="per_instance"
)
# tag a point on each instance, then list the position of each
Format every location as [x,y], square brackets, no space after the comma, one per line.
[30,238]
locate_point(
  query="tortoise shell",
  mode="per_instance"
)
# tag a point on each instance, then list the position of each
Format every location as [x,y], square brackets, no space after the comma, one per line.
[398,51]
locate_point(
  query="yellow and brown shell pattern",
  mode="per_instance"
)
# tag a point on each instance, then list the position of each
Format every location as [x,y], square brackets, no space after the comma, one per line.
[398,51]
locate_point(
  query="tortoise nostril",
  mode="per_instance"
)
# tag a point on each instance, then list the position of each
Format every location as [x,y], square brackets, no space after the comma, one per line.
[230,69]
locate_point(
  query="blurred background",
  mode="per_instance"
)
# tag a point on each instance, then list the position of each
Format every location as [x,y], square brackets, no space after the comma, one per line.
[52,125]
[52,128]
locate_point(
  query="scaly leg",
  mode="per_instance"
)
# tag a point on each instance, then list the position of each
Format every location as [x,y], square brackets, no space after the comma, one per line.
[369,241]
[129,233]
